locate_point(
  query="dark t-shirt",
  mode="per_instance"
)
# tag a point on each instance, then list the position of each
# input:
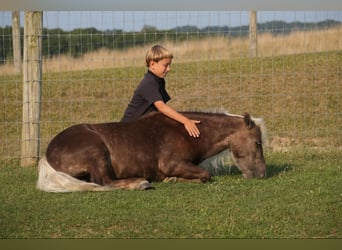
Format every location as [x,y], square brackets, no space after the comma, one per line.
[150,90]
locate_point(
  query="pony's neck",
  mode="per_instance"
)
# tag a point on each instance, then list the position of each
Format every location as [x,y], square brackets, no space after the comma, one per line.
[218,131]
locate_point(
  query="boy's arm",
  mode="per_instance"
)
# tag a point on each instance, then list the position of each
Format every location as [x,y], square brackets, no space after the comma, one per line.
[190,125]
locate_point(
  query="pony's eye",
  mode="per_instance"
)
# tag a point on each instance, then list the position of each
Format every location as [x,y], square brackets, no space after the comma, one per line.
[258,143]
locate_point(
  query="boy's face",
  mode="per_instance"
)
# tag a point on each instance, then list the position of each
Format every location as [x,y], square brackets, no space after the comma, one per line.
[161,68]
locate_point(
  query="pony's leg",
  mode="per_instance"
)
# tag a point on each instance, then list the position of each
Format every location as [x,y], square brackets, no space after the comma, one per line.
[179,179]
[104,175]
[186,171]
[131,184]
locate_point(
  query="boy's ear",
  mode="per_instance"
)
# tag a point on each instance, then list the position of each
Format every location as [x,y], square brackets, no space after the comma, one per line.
[151,63]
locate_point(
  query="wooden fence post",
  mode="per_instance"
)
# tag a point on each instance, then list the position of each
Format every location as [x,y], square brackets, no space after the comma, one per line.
[32,82]
[253,41]
[16,41]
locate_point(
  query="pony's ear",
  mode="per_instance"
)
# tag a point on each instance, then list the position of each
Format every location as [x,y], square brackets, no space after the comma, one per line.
[248,120]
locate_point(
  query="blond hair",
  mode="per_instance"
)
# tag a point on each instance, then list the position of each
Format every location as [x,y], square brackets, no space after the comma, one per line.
[157,53]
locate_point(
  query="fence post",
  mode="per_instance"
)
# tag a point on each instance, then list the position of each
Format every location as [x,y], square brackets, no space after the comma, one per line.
[253,41]
[16,41]
[32,82]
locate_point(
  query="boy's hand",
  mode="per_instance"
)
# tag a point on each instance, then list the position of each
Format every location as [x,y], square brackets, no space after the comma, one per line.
[191,127]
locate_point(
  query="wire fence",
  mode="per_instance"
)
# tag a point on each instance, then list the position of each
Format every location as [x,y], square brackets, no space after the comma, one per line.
[92,62]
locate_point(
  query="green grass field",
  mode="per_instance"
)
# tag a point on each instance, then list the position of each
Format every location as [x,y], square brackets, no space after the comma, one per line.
[300,199]
[298,96]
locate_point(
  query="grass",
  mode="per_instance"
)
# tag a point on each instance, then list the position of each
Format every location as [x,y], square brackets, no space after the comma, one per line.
[300,199]
[299,97]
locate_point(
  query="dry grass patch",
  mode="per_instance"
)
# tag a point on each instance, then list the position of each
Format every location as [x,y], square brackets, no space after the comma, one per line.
[210,48]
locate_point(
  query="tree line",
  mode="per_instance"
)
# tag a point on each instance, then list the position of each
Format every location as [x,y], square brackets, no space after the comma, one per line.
[80,41]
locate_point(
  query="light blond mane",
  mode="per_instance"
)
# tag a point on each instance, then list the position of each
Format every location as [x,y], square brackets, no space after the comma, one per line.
[258,121]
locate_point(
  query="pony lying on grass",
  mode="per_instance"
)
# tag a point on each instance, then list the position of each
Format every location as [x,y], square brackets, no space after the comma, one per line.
[102,157]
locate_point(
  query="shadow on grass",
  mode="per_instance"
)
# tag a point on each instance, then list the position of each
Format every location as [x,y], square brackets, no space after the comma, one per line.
[272,170]
[275,170]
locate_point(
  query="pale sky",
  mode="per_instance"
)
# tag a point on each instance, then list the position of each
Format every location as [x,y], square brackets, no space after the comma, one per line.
[135,20]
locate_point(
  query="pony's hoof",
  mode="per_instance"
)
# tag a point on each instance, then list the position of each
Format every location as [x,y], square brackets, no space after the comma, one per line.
[145,185]
[170,179]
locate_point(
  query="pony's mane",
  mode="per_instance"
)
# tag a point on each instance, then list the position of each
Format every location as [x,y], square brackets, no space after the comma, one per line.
[209,111]
[258,121]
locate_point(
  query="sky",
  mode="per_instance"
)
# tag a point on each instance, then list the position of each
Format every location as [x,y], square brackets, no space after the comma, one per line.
[136,20]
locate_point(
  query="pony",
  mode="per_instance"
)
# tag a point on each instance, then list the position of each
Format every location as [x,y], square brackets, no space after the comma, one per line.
[154,148]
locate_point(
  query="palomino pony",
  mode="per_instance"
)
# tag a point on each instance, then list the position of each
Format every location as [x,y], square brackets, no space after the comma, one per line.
[99,157]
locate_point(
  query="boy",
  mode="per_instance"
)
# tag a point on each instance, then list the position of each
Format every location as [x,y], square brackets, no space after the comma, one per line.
[151,95]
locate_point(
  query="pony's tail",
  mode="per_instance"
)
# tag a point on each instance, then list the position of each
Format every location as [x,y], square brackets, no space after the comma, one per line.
[50,180]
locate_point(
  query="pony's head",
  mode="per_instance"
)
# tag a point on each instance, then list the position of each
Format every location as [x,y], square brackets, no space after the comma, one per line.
[246,147]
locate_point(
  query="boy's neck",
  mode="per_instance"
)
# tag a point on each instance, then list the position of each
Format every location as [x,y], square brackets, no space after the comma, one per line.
[149,70]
